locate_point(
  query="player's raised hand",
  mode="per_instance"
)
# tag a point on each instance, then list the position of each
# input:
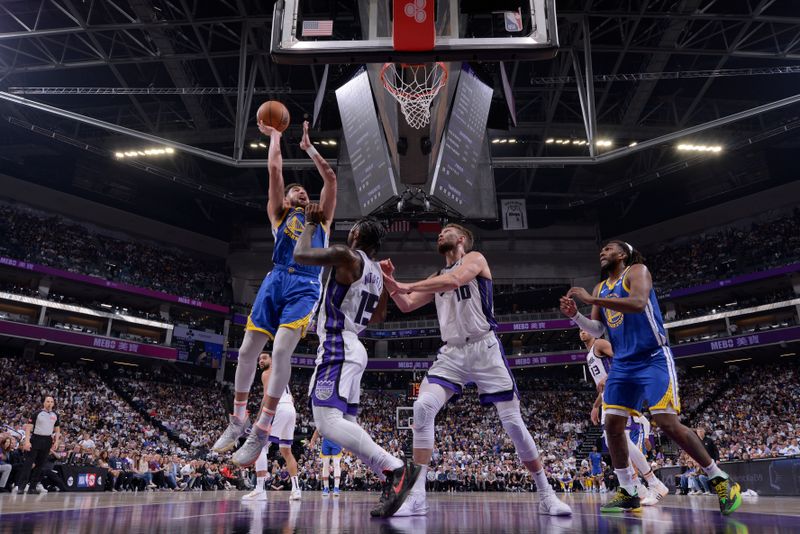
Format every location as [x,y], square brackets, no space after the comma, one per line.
[314,213]
[387,267]
[568,307]
[580,294]
[268,130]
[305,142]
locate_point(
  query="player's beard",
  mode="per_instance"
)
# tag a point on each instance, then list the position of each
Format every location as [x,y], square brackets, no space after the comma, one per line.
[446,247]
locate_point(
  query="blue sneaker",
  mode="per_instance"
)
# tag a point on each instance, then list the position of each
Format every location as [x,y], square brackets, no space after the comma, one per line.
[325,492]
[335,492]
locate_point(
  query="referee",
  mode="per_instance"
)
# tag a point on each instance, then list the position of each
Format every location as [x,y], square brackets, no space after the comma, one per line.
[41,437]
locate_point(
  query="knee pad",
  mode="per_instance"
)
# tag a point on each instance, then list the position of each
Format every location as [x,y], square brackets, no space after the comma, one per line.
[510,417]
[425,409]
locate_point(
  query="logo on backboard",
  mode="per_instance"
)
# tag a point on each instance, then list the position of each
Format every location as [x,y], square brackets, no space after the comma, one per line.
[416,10]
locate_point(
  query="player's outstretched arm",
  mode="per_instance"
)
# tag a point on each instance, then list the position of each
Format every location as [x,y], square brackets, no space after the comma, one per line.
[406,302]
[640,283]
[338,256]
[327,198]
[471,266]
[275,167]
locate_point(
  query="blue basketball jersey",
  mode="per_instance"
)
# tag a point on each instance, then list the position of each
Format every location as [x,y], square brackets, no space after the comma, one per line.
[597,460]
[632,335]
[286,235]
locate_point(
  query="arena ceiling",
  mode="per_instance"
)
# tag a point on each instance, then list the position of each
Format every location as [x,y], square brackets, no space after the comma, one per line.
[182,70]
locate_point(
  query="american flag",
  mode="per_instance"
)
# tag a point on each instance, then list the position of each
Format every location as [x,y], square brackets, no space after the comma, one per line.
[317,28]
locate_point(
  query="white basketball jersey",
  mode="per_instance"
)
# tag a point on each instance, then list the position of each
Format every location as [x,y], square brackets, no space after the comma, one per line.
[598,366]
[466,312]
[349,308]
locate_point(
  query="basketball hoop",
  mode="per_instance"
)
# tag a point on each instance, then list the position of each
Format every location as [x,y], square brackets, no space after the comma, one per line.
[414,86]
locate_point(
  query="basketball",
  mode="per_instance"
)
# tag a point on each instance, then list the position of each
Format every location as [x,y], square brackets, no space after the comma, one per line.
[273,113]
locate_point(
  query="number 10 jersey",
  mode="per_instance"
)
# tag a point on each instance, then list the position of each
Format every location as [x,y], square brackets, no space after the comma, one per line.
[467,312]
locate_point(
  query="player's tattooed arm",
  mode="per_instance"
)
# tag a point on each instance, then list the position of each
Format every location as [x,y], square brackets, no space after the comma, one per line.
[275,167]
[327,198]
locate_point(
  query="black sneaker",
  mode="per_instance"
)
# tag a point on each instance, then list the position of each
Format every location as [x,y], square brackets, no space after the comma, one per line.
[622,502]
[395,488]
[729,493]
[33,491]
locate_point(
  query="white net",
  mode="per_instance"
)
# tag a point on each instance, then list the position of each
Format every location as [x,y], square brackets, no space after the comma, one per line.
[414,87]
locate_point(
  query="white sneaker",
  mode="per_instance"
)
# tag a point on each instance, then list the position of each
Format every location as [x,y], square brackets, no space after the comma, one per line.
[255,495]
[641,489]
[655,494]
[41,489]
[415,504]
[552,505]
[296,494]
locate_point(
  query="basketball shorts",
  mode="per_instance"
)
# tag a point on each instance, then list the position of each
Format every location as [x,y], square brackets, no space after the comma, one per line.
[631,427]
[330,448]
[597,472]
[635,382]
[336,382]
[481,362]
[285,299]
[283,424]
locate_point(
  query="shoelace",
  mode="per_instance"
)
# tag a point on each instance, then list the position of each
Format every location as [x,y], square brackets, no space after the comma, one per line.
[722,490]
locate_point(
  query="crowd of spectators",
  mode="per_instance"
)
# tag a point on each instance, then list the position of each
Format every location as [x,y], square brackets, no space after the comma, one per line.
[726,252]
[153,428]
[28,235]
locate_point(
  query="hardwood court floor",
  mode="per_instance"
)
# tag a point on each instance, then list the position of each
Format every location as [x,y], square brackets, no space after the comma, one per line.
[223,512]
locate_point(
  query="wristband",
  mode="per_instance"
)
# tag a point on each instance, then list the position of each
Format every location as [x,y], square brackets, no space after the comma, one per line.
[311,151]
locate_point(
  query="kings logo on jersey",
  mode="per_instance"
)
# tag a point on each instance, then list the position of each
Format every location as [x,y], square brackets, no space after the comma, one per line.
[324,389]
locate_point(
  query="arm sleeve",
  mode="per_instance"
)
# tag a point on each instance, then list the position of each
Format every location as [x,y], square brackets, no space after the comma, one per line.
[592,327]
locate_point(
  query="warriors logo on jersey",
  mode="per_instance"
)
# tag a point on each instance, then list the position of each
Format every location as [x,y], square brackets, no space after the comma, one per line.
[294,226]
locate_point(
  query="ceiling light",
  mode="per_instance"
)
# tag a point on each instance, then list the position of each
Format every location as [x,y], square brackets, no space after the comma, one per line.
[512,140]
[698,366]
[128,364]
[47,354]
[87,359]
[550,141]
[739,360]
[603,142]
[253,145]
[687,147]
[262,145]
[150,151]
[495,141]
[325,142]
[333,142]
[786,354]
[633,144]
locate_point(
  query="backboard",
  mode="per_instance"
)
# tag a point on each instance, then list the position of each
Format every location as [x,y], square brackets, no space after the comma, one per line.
[363,31]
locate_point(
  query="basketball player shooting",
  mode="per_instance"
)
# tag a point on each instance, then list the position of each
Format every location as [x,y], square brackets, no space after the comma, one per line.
[353,297]
[471,353]
[285,302]
[625,306]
